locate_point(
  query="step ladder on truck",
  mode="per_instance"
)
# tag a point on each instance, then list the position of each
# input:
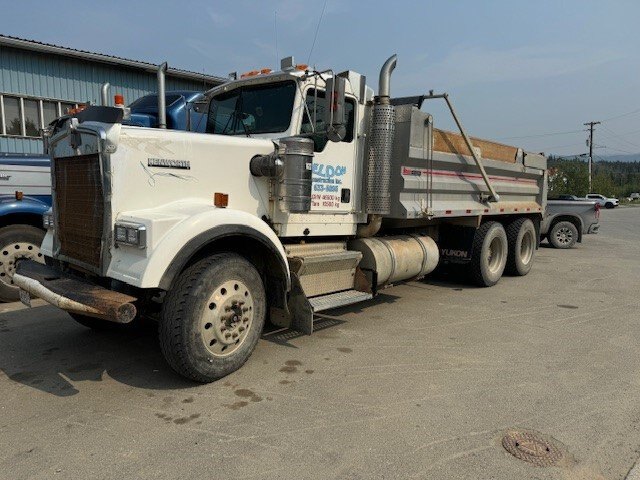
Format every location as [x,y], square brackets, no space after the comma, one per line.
[306,192]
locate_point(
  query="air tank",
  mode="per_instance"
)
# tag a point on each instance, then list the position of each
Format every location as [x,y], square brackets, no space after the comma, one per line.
[397,258]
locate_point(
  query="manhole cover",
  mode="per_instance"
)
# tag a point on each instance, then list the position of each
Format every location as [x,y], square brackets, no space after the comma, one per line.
[531,447]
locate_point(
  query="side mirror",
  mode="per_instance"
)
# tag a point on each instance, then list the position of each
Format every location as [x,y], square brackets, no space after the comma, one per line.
[334,111]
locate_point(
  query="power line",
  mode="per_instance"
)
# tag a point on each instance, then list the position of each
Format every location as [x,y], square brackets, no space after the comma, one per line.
[562,146]
[620,137]
[540,135]
[622,115]
[619,150]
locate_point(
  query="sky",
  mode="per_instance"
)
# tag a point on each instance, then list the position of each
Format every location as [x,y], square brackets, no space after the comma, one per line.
[527,73]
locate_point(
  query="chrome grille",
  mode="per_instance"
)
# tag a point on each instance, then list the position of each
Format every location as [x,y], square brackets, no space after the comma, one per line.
[79,208]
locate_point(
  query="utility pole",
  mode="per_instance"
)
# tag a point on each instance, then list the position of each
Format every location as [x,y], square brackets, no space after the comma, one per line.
[590,125]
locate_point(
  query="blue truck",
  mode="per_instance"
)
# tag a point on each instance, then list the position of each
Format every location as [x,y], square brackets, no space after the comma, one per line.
[25,184]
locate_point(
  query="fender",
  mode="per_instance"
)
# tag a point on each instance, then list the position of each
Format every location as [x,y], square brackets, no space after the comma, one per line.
[36,205]
[197,225]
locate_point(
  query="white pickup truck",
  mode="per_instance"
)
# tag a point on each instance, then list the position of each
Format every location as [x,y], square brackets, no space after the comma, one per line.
[606,202]
[567,219]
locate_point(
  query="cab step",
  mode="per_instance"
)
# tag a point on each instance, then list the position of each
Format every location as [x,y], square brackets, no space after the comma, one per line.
[338,299]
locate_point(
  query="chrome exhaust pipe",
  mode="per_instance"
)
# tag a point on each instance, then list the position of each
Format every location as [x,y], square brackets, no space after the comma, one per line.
[104,94]
[162,107]
[380,145]
[384,89]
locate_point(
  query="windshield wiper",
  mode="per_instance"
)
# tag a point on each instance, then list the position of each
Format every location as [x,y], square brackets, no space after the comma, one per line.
[238,112]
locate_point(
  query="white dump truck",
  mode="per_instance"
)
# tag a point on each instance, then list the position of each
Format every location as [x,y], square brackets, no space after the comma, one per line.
[306,192]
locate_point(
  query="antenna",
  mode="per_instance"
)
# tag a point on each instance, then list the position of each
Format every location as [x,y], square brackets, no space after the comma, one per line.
[275,27]
[316,34]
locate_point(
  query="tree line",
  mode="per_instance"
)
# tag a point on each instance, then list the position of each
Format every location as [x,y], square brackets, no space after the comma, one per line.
[571,176]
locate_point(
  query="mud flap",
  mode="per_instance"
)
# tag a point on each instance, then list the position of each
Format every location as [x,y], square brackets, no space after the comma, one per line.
[300,314]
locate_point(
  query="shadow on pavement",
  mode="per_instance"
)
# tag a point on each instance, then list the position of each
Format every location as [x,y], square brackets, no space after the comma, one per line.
[50,352]
[45,349]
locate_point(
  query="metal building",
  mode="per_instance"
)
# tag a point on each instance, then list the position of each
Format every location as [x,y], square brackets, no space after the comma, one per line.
[40,81]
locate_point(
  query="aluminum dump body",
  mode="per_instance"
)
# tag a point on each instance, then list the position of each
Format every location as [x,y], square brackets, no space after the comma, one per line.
[434,175]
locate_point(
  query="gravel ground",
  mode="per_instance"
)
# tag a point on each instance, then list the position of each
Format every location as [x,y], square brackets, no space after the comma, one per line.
[422,382]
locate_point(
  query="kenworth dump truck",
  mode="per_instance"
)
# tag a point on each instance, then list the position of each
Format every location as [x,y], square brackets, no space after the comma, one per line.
[306,192]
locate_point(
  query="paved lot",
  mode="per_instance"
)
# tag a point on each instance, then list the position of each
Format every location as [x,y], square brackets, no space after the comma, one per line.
[421,383]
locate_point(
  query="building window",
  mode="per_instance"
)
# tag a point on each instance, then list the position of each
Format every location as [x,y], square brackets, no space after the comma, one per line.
[65,107]
[49,112]
[31,118]
[25,116]
[12,115]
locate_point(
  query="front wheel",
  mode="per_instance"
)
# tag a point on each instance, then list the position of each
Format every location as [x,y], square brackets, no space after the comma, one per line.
[563,235]
[212,317]
[489,254]
[608,205]
[17,242]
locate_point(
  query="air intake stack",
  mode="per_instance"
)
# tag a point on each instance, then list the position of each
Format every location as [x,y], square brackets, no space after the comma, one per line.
[383,119]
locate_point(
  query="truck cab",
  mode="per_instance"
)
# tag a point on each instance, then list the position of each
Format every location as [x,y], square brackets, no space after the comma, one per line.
[181,114]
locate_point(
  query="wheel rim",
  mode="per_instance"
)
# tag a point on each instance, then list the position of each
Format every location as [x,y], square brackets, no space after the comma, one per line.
[227,318]
[526,247]
[495,253]
[13,252]
[564,235]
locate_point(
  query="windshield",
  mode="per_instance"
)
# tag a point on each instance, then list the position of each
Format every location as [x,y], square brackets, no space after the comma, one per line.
[252,109]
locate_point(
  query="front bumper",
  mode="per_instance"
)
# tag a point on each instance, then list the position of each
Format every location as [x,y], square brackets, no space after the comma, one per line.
[73,294]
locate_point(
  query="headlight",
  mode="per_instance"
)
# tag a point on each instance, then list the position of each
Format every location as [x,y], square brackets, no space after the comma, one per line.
[47,220]
[133,234]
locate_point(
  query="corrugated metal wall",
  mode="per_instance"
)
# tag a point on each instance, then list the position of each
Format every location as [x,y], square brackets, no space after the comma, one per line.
[55,77]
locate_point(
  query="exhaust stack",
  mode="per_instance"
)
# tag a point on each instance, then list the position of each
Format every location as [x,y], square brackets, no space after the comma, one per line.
[385,79]
[162,107]
[383,124]
[104,94]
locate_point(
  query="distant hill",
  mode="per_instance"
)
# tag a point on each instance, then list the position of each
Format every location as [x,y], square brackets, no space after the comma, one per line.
[634,157]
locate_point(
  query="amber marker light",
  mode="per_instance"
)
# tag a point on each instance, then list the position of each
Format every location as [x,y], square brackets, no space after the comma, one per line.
[221,200]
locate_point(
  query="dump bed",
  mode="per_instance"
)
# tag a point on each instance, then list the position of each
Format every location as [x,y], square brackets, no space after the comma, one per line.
[433,173]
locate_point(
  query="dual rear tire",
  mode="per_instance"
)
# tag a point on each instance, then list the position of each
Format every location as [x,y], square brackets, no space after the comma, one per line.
[497,250]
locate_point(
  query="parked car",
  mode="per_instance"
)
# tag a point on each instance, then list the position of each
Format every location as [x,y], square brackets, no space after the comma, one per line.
[634,196]
[565,221]
[25,194]
[603,201]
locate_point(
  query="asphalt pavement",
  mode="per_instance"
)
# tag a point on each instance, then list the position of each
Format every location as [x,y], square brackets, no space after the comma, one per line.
[422,382]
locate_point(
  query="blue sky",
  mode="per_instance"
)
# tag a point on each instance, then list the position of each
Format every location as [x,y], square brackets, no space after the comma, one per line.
[513,68]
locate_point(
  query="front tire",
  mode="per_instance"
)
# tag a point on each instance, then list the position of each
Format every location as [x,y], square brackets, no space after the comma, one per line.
[17,242]
[212,317]
[521,236]
[490,250]
[563,235]
[608,205]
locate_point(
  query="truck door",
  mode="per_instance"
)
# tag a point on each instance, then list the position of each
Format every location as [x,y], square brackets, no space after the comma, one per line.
[334,162]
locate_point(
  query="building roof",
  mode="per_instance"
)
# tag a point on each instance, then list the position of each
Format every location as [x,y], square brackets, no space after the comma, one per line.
[33,45]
